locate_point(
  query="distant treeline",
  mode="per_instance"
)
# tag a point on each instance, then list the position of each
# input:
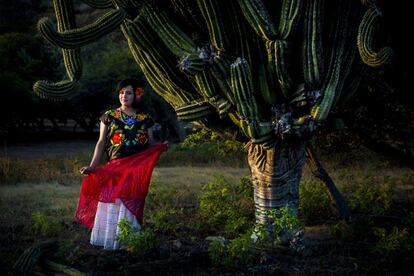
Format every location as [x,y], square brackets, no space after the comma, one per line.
[25,58]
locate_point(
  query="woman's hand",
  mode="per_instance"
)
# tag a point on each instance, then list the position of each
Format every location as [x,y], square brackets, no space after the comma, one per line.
[86,170]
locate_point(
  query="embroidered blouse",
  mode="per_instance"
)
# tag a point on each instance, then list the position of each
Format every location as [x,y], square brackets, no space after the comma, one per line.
[126,134]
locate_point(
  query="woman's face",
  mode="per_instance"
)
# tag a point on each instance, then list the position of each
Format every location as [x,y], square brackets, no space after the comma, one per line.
[126,96]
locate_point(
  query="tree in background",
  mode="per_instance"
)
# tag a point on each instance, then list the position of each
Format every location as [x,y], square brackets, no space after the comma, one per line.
[262,71]
[25,57]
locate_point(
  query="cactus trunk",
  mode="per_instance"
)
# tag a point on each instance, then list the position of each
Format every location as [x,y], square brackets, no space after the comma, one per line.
[276,174]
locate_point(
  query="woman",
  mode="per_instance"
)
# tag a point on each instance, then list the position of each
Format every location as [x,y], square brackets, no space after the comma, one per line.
[118,189]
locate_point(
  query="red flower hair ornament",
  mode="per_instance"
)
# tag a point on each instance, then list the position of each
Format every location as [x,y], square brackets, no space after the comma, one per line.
[139,92]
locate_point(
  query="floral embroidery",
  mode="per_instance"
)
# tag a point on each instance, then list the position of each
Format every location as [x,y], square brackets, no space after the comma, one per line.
[142,137]
[141,116]
[113,126]
[126,134]
[115,113]
[117,138]
[129,120]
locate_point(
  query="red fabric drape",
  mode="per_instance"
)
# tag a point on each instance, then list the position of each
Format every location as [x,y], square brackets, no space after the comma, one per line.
[125,178]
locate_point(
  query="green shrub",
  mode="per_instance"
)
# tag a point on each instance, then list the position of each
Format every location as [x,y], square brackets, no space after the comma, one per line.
[391,242]
[136,242]
[227,206]
[236,253]
[45,226]
[285,224]
[314,201]
[166,220]
[371,198]
[211,144]
[217,250]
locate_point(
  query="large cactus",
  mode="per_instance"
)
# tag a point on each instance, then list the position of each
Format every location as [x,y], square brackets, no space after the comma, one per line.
[272,69]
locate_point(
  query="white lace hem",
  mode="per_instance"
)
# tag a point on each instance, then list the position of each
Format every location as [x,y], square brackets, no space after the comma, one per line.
[105,228]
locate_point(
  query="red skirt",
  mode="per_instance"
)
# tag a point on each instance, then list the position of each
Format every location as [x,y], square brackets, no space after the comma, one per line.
[125,178]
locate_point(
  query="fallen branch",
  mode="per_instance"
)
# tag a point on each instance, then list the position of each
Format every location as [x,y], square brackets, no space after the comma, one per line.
[336,197]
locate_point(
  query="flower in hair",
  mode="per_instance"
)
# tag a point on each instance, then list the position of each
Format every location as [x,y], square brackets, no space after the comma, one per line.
[139,92]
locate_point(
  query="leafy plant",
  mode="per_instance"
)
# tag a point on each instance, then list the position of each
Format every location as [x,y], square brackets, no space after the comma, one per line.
[238,252]
[370,198]
[227,206]
[285,224]
[390,242]
[136,242]
[211,143]
[45,226]
[314,201]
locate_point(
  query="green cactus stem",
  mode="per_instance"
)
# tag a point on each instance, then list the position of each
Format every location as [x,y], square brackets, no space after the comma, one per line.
[55,91]
[258,17]
[66,21]
[341,60]
[313,47]
[289,17]
[173,37]
[99,4]
[210,9]
[365,41]
[76,38]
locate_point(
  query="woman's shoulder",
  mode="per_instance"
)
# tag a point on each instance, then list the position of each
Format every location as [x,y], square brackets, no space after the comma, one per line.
[143,115]
[108,116]
[114,113]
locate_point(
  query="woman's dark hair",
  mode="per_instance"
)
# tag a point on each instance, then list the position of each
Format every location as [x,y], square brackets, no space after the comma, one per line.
[135,84]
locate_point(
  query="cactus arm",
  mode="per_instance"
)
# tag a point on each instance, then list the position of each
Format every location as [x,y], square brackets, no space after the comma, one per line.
[365,41]
[71,57]
[66,21]
[173,37]
[54,91]
[99,4]
[150,57]
[341,60]
[207,87]
[313,48]
[76,38]
[258,17]
[145,38]
[210,10]
[289,17]
[247,108]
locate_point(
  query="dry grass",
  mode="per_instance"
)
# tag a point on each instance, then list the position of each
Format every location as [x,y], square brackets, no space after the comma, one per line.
[19,201]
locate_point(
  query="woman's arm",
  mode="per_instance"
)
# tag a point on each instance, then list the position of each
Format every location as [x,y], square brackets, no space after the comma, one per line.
[99,148]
